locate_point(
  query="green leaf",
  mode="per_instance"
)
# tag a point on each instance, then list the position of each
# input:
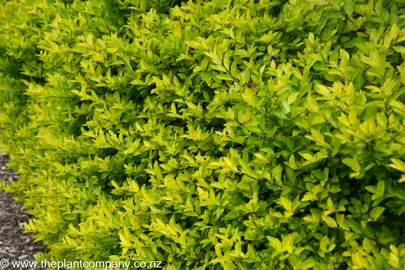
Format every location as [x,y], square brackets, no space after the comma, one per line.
[115,185]
[277,173]
[286,203]
[307,264]
[380,187]
[399,49]
[311,38]
[225,77]
[234,70]
[376,212]
[398,165]
[330,222]
[244,76]
[312,104]
[349,7]
[367,245]
[324,242]
[227,61]
[286,107]
[353,117]
[275,243]
[288,242]
[318,136]
[379,7]
[219,68]
[352,163]
[354,226]
[341,220]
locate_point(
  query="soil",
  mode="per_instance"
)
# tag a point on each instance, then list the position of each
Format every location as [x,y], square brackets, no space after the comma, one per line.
[15,245]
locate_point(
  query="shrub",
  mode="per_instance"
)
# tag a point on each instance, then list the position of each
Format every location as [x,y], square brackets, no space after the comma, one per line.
[213,135]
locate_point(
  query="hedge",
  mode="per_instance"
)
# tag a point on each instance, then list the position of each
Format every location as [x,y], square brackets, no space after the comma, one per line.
[239,134]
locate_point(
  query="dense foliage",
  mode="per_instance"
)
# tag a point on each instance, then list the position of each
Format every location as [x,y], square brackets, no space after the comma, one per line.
[227,134]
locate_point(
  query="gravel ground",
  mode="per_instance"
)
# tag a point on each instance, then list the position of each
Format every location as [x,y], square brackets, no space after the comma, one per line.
[14,243]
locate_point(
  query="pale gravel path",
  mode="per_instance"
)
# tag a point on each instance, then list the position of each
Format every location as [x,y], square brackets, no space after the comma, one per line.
[14,243]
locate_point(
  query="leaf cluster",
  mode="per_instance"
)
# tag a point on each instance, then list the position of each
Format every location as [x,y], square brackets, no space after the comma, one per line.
[234,134]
